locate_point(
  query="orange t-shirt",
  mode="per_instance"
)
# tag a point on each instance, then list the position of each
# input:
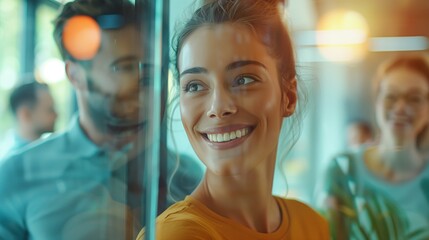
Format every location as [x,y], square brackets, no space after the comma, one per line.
[190,219]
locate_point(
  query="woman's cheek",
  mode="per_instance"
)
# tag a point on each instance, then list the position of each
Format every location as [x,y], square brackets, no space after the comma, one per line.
[189,110]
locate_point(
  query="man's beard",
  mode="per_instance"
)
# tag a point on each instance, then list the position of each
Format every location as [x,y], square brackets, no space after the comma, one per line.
[100,112]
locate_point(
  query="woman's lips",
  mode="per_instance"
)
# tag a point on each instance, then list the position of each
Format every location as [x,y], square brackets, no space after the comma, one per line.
[227,137]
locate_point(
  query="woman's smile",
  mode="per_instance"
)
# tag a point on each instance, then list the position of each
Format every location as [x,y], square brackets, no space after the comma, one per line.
[226,137]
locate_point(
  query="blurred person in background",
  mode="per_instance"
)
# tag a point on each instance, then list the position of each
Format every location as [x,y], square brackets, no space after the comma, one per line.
[383,190]
[33,109]
[359,133]
[86,182]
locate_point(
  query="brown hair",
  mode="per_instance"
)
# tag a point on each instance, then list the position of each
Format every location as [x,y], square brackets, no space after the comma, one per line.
[25,94]
[262,16]
[416,63]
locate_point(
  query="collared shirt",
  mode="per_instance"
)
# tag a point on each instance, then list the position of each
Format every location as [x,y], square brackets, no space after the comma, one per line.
[11,143]
[66,187]
[19,142]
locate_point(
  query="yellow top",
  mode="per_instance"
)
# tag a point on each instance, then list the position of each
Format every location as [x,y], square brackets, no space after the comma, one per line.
[191,220]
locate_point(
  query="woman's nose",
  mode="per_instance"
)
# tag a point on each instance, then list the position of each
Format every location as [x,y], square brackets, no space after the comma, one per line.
[400,105]
[222,104]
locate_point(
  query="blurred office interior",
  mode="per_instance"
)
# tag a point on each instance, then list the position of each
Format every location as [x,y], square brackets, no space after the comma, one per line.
[339,44]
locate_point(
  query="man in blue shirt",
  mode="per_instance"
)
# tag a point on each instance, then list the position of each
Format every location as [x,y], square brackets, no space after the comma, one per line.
[84,183]
[34,112]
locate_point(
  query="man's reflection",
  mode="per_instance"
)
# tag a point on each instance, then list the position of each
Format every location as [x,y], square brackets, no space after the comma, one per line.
[76,185]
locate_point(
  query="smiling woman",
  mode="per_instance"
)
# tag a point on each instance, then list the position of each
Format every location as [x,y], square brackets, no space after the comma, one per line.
[387,174]
[237,78]
[231,95]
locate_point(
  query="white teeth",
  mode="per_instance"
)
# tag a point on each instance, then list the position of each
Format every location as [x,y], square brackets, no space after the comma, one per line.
[232,136]
[219,138]
[238,133]
[225,137]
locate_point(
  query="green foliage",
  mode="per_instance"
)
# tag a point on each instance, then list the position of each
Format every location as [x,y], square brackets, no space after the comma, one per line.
[368,215]
[373,218]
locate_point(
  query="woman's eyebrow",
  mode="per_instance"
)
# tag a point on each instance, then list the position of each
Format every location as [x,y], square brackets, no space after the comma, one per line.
[231,66]
[194,70]
[242,63]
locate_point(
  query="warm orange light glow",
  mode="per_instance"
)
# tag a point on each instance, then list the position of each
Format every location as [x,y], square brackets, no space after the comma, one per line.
[342,36]
[82,37]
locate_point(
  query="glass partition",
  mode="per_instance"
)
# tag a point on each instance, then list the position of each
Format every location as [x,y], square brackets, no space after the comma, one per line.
[146,111]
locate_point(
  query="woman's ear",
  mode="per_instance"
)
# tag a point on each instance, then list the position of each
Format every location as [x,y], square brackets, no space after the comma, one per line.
[75,74]
[289,96]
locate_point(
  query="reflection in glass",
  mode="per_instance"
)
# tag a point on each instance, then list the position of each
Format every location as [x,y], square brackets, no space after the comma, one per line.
[91,180]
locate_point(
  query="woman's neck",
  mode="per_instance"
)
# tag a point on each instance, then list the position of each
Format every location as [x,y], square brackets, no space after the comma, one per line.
[399,154]
[395,163]
[245,198]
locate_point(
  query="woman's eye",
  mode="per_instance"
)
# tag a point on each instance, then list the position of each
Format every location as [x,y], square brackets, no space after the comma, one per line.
[193,87]
[243,80]
[415,99]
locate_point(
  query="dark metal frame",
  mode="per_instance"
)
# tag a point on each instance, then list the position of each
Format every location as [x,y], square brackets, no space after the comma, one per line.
[28,44]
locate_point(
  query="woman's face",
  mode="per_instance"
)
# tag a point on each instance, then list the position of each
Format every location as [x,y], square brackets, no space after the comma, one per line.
[230,98]
[402,104]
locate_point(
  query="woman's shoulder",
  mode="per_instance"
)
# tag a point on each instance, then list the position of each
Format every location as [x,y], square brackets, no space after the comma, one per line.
[304,219]
[182,210]
[178,230]
[296,207]
[182,220]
